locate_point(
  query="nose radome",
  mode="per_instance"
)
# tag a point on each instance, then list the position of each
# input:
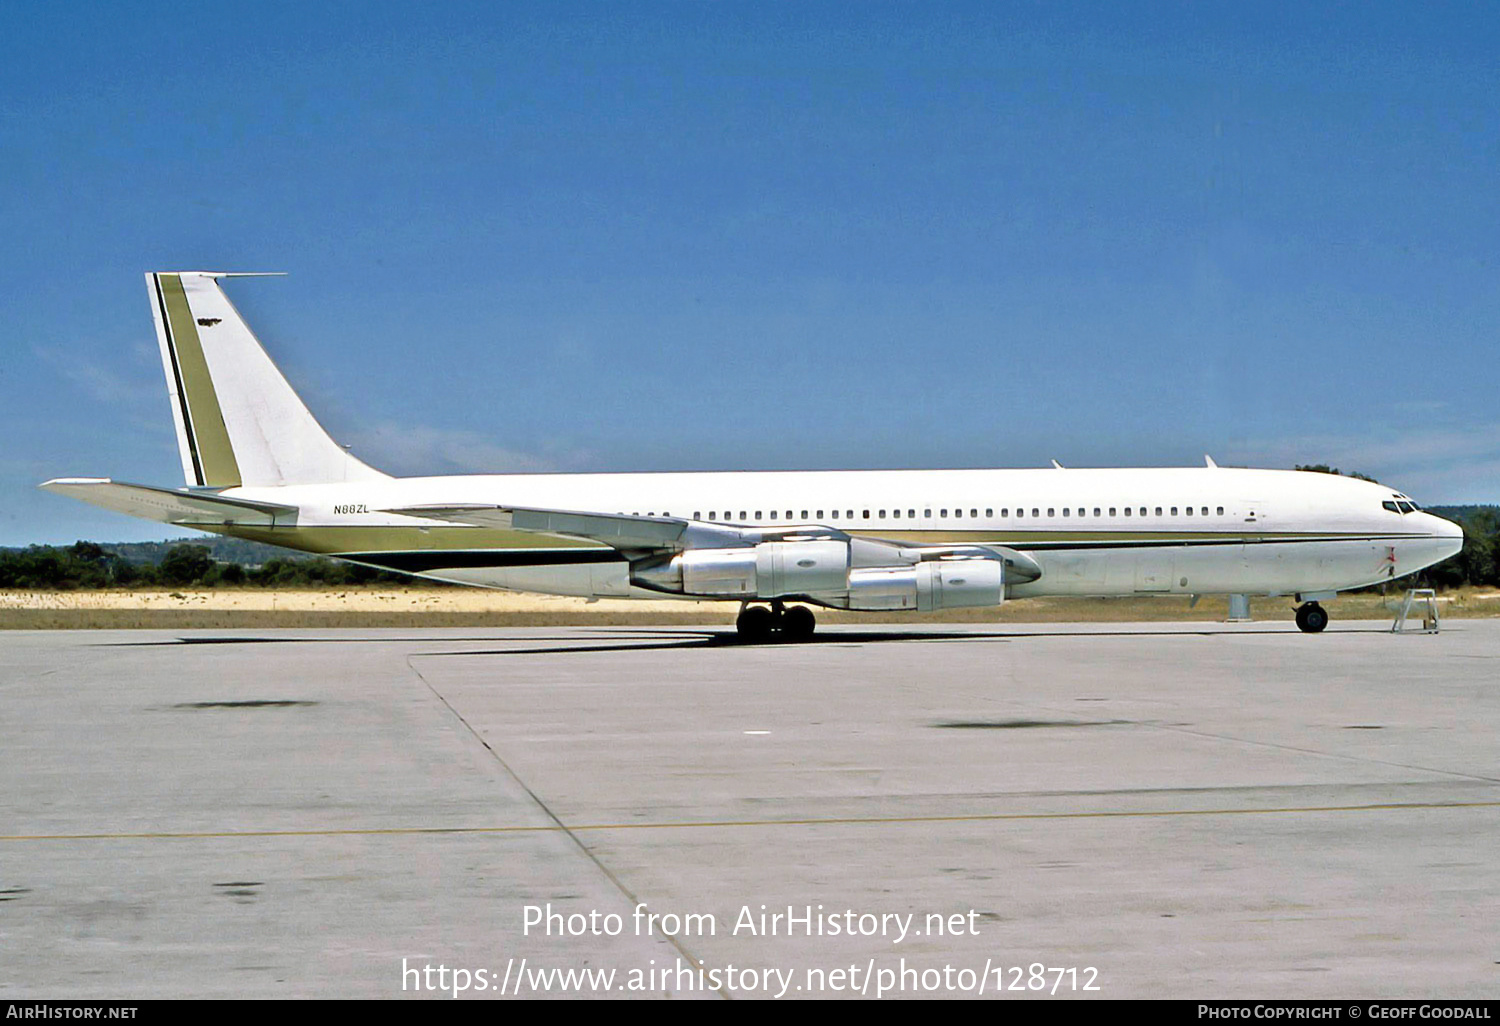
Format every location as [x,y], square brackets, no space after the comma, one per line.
[1452,534]
[1448,529]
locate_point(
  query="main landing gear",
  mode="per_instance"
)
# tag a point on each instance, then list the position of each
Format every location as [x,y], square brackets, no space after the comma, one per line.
[1311,617]
[789,623]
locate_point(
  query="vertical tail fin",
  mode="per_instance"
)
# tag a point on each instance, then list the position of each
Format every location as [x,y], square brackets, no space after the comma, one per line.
[238,420]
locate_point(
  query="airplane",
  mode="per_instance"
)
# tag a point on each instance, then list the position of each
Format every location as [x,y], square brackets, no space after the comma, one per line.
[258,465]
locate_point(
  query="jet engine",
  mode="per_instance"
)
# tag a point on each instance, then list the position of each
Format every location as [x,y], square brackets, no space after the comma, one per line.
[926,586]
[767,570]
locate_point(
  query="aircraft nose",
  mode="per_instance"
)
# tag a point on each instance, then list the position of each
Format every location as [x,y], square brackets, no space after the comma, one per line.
[1450,532]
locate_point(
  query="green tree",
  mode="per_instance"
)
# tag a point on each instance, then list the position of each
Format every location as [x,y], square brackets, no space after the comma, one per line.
[185,564]
[1323,468]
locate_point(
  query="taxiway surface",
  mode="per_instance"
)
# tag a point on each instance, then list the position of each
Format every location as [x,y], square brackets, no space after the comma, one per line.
[1192,810]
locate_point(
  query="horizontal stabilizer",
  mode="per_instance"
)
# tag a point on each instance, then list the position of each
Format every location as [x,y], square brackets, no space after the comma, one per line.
[180,506]
[621,532]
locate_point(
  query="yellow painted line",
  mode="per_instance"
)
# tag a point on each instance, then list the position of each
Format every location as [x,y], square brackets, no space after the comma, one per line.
[712,824]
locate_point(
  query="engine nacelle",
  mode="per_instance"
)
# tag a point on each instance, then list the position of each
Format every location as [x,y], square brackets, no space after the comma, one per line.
[767,570]
[924,587]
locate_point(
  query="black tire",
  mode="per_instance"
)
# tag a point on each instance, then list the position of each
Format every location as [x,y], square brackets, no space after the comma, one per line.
[1311,617]
[755,623]
[798,623]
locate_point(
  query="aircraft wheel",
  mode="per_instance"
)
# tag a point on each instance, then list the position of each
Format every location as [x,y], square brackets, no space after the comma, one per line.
[1311,617]
[755,623]
[798,623]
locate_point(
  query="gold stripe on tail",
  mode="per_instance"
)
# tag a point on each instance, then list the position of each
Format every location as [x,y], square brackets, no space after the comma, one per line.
[213,456]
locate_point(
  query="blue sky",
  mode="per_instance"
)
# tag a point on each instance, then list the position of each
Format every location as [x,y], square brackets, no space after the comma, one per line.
[638,236]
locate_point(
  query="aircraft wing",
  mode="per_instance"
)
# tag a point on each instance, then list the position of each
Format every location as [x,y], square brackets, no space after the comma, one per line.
[672,534]
[184,507]
[614,530]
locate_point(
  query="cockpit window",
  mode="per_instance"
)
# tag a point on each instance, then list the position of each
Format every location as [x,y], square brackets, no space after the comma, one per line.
[1406,507]
[1388,504]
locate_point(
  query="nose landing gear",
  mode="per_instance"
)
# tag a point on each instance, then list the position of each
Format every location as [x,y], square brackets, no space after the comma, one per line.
[1311,617]
[760,623]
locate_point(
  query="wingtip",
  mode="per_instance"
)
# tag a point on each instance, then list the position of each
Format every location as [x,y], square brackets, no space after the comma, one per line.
[67,482]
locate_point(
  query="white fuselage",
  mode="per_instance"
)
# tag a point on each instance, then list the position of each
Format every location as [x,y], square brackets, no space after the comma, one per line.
[1093,532]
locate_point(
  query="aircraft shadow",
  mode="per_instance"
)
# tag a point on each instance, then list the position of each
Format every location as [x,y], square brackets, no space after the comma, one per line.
[648,640]
[729,639]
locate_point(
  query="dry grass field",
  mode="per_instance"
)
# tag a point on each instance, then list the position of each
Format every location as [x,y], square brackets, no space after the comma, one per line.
[473,607]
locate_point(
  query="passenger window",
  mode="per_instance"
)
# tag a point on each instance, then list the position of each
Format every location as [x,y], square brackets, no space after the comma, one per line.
[912,514]
[1143,511]
[1205,511]
[989,513]
[758,515]
[1111,511]
[896,514]
[1005,511]
[804,514]
[820,514]
[1096,511]
[944,513]
[835,514]
[1065,511]
[1174,511]
[1051,512]
[1221,511]
[1035,512]
[974,514]
[927,513]
[773,514]
[1188,511]
[1158,511]
[882,514]
[1127,511]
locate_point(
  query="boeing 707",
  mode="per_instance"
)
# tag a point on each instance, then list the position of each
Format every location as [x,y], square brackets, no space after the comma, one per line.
[258,465]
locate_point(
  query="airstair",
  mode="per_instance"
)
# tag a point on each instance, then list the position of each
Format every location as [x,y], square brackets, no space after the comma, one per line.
[1425,602]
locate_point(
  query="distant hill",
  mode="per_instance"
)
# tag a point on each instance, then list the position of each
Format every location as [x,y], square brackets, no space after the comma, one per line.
[1460,512]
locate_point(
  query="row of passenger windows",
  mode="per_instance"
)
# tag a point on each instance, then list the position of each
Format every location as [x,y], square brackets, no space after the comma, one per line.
[973,513]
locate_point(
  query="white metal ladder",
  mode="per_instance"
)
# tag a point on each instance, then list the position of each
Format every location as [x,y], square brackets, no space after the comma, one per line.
[1429,616]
